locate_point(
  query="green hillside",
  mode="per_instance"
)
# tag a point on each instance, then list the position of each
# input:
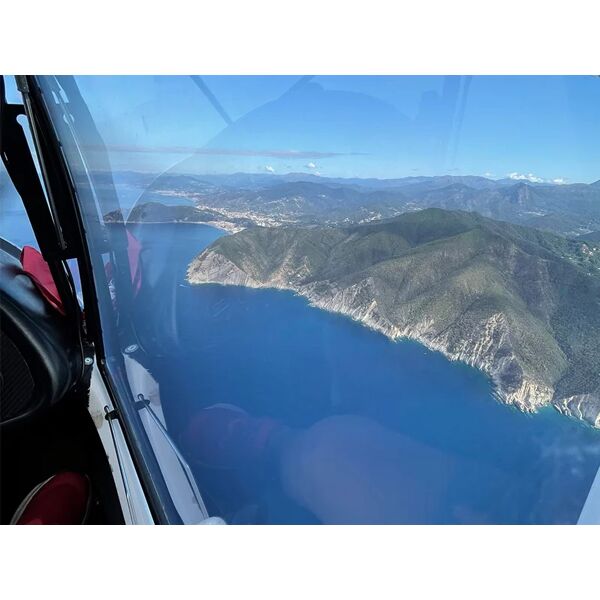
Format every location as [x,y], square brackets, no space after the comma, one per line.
[521,304]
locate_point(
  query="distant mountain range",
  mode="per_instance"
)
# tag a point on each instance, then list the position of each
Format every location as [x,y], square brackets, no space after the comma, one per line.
[519,304]
[238,200]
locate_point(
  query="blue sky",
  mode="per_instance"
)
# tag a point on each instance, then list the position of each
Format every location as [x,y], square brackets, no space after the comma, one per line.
[539,128]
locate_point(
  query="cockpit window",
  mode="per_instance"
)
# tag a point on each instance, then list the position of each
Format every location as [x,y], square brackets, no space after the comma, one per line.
[349,299]
[16,227]
[14,222]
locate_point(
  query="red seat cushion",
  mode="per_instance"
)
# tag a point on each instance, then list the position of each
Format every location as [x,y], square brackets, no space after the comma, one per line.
[37,268]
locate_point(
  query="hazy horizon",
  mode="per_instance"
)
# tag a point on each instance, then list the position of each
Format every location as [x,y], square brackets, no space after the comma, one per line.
[530,128]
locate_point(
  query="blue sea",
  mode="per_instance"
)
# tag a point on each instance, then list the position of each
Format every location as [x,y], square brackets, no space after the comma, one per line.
[384,420]
[392,432]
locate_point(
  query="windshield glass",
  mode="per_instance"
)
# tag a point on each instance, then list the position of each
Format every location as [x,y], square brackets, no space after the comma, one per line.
[14,222]
[349,299]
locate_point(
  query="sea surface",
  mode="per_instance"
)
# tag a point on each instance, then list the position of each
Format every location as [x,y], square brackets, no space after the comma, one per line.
[393,432]
[421,425]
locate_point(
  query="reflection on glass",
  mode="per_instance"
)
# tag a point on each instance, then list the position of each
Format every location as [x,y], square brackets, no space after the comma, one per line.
[353,299]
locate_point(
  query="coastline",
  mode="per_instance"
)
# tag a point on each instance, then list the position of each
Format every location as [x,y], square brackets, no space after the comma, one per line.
[528,397]
[220,226]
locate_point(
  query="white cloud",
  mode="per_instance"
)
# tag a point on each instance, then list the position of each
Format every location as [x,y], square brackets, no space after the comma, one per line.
[526,177]
[311,165]
[488,174]
[269,169]
[317,173]
[535,179]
